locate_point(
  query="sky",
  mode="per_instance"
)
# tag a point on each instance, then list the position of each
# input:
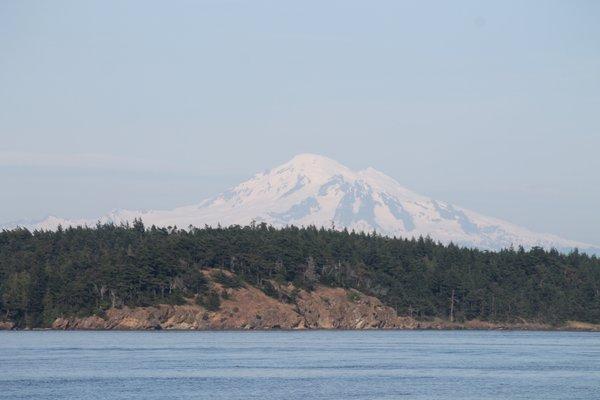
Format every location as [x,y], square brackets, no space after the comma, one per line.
[493,106]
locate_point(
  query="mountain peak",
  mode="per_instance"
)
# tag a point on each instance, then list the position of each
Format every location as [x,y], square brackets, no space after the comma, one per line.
[304,158]
[309,161]
[313,167]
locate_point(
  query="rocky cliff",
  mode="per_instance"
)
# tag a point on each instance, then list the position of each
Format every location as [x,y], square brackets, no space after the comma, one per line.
[250,308]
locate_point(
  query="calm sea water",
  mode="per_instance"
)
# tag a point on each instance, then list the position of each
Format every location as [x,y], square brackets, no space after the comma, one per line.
[300,365]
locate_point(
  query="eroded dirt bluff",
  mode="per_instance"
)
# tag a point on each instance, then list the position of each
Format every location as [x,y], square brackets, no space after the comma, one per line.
[250,308]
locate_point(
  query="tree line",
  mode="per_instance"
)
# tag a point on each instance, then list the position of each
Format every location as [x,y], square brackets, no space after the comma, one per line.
[80,271]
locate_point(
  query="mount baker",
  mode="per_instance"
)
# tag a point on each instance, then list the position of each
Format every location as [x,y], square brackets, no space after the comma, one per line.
[315,190]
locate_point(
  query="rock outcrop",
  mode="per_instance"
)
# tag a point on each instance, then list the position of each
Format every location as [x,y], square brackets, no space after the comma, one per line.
[250,308]
[6,325]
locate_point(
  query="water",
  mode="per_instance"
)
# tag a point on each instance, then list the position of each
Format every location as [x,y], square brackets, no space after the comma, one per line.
[300,365]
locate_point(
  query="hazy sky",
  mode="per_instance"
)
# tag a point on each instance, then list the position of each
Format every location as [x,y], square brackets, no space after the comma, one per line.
[141,104]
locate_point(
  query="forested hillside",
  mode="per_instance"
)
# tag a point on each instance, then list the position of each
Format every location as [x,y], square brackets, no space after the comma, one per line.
[85,271]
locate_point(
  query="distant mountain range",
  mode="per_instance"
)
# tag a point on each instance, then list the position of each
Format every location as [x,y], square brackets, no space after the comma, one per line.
[315,190]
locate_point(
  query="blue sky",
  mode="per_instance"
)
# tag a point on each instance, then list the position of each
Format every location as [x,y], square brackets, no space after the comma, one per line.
[141,104]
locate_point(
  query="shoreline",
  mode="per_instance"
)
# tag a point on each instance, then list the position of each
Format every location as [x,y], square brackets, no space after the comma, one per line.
[474,325]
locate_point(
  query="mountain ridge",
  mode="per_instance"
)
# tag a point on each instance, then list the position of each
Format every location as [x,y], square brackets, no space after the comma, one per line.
[315,190]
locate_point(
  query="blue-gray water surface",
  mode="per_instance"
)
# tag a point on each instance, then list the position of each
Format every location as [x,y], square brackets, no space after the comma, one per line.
[300,365]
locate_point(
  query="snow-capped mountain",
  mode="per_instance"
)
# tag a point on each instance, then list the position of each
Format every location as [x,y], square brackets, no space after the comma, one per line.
[315,190]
